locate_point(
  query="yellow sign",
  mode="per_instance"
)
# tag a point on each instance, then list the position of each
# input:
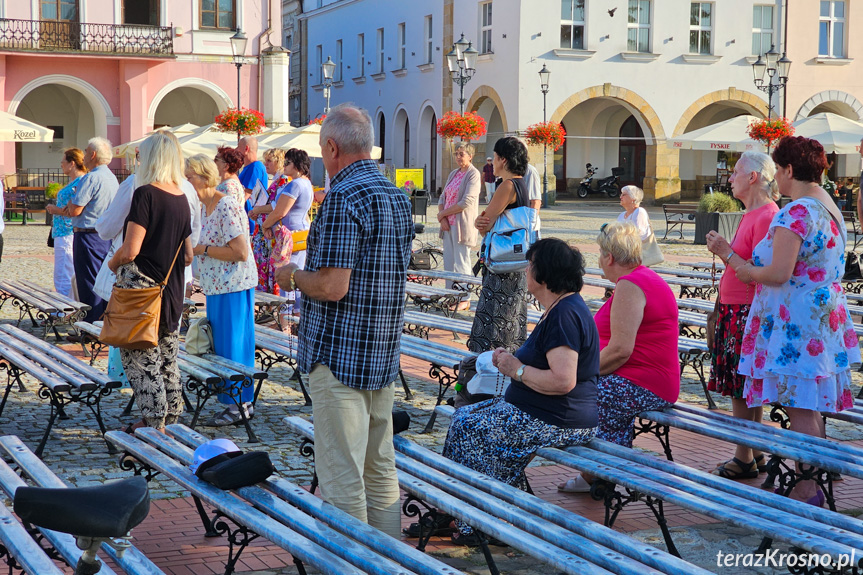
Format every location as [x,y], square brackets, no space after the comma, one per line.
[414,176]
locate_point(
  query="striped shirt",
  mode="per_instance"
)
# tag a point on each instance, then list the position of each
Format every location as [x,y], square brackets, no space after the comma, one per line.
[364,225]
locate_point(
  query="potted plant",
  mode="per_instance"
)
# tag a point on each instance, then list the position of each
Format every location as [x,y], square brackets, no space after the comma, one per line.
[243,121]
[548,135]
[717,212]
[769,131]
[468,126]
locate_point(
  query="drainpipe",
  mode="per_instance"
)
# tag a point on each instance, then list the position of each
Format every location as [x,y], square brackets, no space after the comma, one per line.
[266,33]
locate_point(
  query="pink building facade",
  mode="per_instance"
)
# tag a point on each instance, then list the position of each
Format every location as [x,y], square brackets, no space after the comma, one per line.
[120,68]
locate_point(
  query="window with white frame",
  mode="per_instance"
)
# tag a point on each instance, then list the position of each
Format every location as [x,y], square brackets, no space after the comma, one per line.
[429,46]
[762,29]
[485,28]
[638,26]
[831,29]
[402,60]
[572,24]
[319,60]
[361,55]
[700,28]
[380,51]
[337,73]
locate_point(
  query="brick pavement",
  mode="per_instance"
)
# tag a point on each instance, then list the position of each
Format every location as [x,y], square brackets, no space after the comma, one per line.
[172,534]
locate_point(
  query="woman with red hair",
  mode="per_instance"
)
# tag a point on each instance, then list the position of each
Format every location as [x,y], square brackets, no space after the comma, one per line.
[799,340]
[228,162]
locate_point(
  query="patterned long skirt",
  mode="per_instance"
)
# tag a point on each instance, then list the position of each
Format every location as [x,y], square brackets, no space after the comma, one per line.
[730,325]
[153,373]
[262,248]
[618,402]
[501,313]
[498,439]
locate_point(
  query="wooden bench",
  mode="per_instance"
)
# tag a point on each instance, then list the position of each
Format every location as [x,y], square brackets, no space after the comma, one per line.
[627,475]
[677,216]
[274,346]
[43,306]
[20,541]
[427,297]
[63,378]
[567,542]
[25,200]
[462,282]
[206,376]
[689,286]
[312,531]
[269,307]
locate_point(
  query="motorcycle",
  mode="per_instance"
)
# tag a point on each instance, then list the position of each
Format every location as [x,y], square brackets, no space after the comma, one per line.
[609,185]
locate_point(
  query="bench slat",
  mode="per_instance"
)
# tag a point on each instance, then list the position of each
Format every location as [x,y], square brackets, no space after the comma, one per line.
[196,372]
[269,528]
[72,304]
[27,298]
[223,372]
[47,378]
[234,366]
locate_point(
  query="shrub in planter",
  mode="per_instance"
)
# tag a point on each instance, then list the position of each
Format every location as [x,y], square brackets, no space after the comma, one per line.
[717,212]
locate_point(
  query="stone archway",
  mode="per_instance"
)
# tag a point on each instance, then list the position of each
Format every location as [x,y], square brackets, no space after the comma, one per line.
[616,104]
[480,95]
[487,103]
[834,101]
[748,101]
[220,97]
[102,113]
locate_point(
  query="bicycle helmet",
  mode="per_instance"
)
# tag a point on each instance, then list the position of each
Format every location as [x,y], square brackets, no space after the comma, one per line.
[211,449]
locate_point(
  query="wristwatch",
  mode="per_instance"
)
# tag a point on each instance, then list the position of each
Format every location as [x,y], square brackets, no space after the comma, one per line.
[520,373]
[205,250]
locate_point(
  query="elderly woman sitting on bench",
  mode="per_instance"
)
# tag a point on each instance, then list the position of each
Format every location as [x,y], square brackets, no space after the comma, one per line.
[551,400]
[638,364]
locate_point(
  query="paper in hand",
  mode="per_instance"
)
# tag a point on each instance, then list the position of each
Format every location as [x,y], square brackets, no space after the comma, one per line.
[259,195]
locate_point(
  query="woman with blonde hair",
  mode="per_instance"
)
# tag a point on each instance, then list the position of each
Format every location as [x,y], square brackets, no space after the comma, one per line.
[226,269]
[752,182]
[262,246]
[157,233]
[73,167]
[638,364]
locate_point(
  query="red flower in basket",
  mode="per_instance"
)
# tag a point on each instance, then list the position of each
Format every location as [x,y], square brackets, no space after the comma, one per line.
[244,121]
[469,126]
[318,121]
[769,131]
[545,134]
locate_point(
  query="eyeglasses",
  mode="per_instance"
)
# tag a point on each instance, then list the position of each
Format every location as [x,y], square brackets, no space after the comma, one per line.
[602,228]
[218,159]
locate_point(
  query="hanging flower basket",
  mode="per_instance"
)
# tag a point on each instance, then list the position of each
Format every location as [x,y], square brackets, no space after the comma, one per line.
[769,131]
[469,126]
[545,134]
[317,121]
[244,121]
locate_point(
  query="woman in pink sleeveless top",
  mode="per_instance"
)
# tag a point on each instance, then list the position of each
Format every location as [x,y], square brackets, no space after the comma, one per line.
[638,330]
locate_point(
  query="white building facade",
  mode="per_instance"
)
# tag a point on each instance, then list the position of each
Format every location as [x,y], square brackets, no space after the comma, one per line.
[624,78]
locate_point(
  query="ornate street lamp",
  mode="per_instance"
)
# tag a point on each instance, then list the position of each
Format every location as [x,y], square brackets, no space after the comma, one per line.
[327,69]
[544,76]
[238,48]
[461,62]
[774,67]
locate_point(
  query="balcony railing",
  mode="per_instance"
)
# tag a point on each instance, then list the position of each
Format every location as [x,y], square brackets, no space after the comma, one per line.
[53,36]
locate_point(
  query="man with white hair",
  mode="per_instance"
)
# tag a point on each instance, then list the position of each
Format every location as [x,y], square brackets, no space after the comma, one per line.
[93,197]
[353,289]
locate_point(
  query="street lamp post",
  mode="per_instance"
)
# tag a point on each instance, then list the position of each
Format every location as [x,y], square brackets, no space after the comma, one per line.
[544,76]
[327,69]
[238,48]
[775,67]
[462,64]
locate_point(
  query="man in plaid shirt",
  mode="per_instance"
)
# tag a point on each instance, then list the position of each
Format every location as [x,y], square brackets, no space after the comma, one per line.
[350,329]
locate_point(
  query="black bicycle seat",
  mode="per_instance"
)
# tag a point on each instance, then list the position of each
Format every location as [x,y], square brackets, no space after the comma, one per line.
[109,510]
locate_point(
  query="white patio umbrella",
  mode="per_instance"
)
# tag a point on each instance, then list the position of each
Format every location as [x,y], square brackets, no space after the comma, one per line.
[15,129]
[127,150]
[836,133]
[728,135]
[305,138]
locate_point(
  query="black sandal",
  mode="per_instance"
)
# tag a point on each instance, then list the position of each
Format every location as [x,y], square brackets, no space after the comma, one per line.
[761,462]
[747,470]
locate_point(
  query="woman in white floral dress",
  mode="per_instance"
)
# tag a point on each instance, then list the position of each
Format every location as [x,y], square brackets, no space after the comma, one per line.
[799,340]
[226,269]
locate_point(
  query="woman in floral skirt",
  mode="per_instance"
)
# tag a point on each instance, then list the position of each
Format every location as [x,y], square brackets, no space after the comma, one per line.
[274,161]
[799,341]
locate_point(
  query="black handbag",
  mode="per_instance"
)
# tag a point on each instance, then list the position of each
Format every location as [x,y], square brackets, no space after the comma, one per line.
[852,268]
[51,238]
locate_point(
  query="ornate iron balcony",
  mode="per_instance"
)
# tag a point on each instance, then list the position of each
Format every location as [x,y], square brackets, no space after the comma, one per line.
[53,36]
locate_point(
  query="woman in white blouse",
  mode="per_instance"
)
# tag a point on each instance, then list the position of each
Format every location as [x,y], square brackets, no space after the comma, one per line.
[630,199]
[228,275]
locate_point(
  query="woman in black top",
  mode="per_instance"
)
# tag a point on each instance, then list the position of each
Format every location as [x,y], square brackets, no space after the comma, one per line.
[157,229]
[501,313]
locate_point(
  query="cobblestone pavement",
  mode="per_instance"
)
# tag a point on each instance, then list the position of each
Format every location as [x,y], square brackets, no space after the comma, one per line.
[77,453]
